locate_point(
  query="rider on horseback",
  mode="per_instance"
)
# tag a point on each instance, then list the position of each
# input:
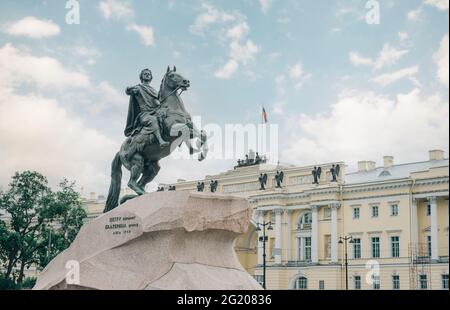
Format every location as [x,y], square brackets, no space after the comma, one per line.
[142,120]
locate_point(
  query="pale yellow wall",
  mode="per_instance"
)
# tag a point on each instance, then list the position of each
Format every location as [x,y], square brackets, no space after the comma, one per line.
[349,195]
[442,212]
[383,226]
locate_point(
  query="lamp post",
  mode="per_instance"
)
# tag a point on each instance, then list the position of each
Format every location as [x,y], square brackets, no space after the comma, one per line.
[263,239]
[341,241]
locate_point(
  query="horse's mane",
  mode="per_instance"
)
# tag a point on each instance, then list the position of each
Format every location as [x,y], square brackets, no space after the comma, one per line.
[163,81]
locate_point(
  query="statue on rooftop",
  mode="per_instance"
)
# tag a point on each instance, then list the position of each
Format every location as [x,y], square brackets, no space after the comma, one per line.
[316,172]
[262,181]
[200,186]
[335,170]
[279,178]
[213,186]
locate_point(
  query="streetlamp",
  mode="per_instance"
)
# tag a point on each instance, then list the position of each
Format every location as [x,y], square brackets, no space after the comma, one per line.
[263,239]
[341,241]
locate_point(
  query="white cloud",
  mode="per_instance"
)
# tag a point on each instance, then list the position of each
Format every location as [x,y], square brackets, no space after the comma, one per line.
[366,126]
[403,36]
[232,28]
[389,78]
[228,70]
[34,28]
[90,53]
[358,60]
[296,71]
[243,53]
[414,15]
[87,51]
[265,5]
[37,134]
[278,107]
[440,4]
[441,58]
[145,33]
[115,9]
[386,57]
[106,97]
[298,74]
[238,32]
[211,15]
[17,67]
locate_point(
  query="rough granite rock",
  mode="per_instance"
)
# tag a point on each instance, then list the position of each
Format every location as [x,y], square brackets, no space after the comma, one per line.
[162,240]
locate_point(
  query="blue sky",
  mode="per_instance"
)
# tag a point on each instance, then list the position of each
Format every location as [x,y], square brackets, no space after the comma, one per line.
[338,87]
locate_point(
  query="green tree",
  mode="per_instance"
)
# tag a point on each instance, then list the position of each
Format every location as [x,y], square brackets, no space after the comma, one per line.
[39,223]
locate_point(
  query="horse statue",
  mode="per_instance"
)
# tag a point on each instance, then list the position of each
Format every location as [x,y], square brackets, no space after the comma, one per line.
[155,135]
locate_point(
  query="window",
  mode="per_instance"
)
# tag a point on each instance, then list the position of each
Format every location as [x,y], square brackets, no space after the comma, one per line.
[305,221]
[395,282]
[357,282]
[395,246]
[307,248]
[394,210]
[444,279]
[375,247]
[428,210]
[356,248]
[356,213]
[327,213]
[301,283]
[429,245]
[307,218]
[321,284]
[374,211]
[328,246]
[376,282]
[423,283]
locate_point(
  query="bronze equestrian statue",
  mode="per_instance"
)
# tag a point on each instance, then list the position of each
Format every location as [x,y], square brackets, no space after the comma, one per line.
[157,124]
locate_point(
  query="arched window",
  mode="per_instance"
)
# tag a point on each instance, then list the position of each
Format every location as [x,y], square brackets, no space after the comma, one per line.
[305,221]
[301,283]
[306,218]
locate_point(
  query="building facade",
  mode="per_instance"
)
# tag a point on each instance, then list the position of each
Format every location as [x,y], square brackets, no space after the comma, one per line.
[394,217]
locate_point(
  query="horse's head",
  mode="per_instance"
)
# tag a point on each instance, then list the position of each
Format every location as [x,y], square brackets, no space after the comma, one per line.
[172,80]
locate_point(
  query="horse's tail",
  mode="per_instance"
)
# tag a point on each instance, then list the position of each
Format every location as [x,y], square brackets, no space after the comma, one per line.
[114,189]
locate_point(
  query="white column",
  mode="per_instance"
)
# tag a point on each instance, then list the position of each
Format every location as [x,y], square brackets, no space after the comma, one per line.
[314,235]
[260,235]
[299,249]
[334,233]
[414,224]
[434,229]
[288,255]
[277,248]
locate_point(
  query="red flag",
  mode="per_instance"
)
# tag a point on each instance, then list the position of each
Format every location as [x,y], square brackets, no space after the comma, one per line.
[264,116]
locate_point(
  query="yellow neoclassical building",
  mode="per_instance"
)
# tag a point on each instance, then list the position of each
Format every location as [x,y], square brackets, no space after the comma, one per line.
[394,217]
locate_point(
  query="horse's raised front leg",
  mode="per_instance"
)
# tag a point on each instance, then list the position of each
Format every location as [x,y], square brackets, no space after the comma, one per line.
[137,167]
[151,170]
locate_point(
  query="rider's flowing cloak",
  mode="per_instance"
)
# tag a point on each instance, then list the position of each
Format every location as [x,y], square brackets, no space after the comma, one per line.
[147,104]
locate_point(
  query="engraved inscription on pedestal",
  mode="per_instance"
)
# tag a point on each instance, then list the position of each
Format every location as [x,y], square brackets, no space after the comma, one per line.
[119,225]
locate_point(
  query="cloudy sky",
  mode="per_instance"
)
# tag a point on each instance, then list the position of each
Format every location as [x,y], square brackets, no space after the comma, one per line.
[338,87]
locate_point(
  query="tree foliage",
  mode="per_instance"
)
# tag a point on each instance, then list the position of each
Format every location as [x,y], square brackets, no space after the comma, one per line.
[37,224]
